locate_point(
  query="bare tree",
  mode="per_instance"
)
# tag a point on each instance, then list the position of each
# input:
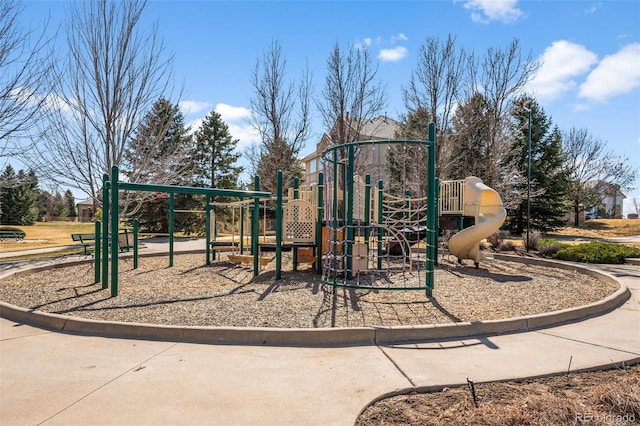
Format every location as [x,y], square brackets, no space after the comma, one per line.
[501,77]
[434,90]
[26,67]
[280,115]
[593,170]
[352,95]
[113,76]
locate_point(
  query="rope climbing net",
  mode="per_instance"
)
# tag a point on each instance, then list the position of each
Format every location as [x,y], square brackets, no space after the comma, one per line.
[380,215]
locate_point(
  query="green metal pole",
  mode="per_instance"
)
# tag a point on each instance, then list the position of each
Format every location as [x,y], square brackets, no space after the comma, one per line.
[432,211]
[320,223]
[367,210]
[207,229]
[296,194]
[171,227]
[279,227]
[96,252]
[380,219]
[350,233]
[136,228]
[241,226]
[437,186]
[105,231]
[335,216]
[215,229]
[407,217]
[114,231]
[255,229]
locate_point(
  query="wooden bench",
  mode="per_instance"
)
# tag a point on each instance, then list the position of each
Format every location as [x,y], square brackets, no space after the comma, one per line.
[6,235]
[86,240]
[125,240]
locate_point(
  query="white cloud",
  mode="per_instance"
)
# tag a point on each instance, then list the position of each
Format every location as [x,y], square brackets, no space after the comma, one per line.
[235,118]
[485,11]
[594,7]
[399,37]
[231,113]
[560,63]
[193,107]
[616,74]
[363,44]
[392,55]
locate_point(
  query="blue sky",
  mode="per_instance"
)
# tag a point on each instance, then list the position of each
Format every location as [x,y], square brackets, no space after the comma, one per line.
[590,50]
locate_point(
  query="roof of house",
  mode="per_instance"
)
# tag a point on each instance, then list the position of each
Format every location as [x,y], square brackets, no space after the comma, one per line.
[379,128]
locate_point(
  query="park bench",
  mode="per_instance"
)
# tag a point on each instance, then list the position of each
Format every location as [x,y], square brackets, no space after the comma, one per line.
[6,235]
[86,240]
[125,240]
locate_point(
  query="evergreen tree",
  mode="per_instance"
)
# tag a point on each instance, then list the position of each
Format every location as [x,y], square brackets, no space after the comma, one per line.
[70,203]
[549,180]
[215,154]
[18,196]
[162,134]
[60,211]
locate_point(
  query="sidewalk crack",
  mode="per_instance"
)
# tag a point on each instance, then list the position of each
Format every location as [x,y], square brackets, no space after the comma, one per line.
[588,343]
[108,382]
[395,364]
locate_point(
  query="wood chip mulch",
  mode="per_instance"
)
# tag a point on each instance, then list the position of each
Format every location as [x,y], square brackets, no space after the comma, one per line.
[223,294]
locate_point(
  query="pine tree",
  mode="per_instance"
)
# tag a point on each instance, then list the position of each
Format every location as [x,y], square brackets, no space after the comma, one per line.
[70,202]
[215,154]
[155,154]
[548,178]
[18,196]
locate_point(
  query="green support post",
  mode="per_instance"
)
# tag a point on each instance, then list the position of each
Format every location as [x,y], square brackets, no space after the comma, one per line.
[136,228]
[380,219]
[432,211]
[437,201]
[407,217]
[114,230]
[207,229]
[296,194]
[241,226]
[105,231]
[171,227]
[320,222]
[367,210]
[255,229]
[349,192]
[279,227]
[335,215]
[97,253]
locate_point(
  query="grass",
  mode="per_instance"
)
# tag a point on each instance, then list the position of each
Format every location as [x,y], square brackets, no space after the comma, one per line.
[46,234]
[601,228]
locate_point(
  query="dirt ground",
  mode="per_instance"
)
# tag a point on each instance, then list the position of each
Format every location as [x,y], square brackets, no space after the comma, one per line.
[193,294]
[596,398]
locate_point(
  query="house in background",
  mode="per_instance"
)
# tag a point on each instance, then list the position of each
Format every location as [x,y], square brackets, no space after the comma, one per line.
[612,201]
[380,128]
[86,210]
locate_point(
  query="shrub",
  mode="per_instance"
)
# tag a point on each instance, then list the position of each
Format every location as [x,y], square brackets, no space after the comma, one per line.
[506,246]
[13,229]
[548,248]
[534,239]
[598,252]
[497,237]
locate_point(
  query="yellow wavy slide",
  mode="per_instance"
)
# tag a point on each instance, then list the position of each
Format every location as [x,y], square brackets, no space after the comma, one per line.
[485,204]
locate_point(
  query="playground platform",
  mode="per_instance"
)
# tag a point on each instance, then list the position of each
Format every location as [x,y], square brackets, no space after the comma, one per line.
[56,378]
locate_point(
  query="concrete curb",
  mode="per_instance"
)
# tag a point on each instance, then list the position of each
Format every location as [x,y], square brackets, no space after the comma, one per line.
[322,337]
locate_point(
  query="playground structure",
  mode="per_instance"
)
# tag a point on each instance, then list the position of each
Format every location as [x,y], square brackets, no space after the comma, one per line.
[381,236]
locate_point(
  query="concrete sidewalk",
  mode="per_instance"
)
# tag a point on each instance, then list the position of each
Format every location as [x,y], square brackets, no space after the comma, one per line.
[55,378]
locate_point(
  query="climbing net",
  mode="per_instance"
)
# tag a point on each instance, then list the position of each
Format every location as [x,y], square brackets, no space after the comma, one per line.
[380,215]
